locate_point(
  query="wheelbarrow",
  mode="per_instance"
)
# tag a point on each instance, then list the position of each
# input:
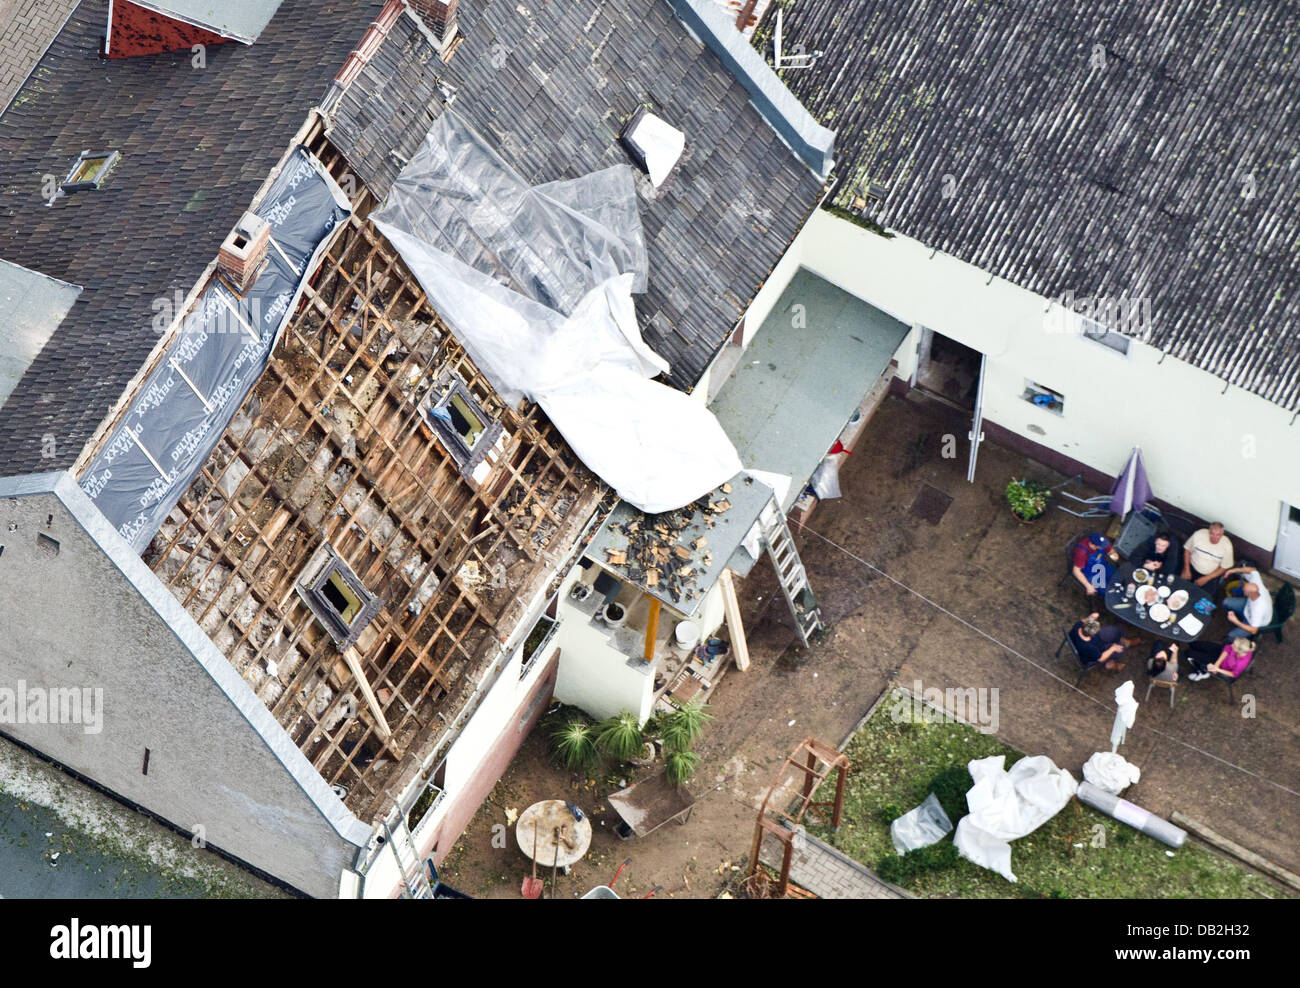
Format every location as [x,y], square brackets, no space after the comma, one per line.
[607,891]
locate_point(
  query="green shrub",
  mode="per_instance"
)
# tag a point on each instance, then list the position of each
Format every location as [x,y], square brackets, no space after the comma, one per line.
[683,727]
[575,746]
[950,787]
[680,766]
[899,870]
[620,737]
[890,812]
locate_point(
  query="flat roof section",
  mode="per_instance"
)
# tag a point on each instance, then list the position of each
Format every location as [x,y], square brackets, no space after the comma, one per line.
[801,377]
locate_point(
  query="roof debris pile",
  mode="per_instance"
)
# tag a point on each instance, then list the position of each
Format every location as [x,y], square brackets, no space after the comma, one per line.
[656,553]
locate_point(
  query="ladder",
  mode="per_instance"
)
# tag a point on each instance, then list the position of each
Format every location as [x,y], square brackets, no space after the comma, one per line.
[415,884]
[790,572]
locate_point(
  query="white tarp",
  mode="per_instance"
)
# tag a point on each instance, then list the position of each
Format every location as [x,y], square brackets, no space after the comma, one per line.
[1109,771]
[536,282]
[1005,805]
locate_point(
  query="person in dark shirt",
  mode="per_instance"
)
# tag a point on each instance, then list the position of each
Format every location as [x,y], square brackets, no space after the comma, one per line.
[1097,644]
[1093,563]
[1159,555]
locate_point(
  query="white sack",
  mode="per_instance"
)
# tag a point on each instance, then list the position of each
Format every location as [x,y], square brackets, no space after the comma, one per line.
[920,827]
[536,283]
[1109,771]
[1005,805]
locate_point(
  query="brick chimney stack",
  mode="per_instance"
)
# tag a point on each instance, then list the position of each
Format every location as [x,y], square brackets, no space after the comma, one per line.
[440,17]
[241,256]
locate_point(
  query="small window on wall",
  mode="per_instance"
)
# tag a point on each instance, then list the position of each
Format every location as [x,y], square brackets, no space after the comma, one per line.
[466,430]
[1098,333]
[336,597]
[1044,397]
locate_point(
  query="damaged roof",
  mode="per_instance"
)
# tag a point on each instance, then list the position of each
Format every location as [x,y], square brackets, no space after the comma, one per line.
[243,20]
[1111,150]
[551,86]
[196,145]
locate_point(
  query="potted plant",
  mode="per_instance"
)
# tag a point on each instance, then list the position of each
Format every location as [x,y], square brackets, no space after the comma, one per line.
[1027,498]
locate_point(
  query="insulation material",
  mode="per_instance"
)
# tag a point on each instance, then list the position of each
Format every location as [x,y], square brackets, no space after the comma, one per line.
[658,144]
[221,349]
[537,284]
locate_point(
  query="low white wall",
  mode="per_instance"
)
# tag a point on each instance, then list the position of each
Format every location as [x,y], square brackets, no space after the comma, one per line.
[1228,456]
[593,675]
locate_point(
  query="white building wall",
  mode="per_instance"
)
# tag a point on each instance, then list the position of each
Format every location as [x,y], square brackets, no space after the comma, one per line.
[1229,456]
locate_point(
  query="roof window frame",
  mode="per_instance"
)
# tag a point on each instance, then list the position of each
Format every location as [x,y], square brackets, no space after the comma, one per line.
[110,160]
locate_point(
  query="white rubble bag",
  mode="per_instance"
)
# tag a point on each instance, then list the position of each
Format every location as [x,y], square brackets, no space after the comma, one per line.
[1110,771]
[1005,805]
[536,282]
[1126,709]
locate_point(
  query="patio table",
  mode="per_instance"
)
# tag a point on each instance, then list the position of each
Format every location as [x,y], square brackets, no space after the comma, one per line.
[544,819]
[1126,608]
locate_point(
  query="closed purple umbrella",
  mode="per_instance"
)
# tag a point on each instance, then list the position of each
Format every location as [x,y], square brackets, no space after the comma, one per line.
[1131,491]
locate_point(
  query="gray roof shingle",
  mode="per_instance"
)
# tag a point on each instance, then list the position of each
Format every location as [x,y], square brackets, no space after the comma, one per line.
[551,90]
[196,144]
[1093,147]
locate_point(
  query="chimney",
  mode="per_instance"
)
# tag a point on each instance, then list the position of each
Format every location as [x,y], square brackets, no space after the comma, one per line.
[440,18]
[241,256]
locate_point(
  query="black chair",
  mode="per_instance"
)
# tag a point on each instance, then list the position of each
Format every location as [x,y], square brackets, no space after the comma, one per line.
[1283,609]
[1083,667]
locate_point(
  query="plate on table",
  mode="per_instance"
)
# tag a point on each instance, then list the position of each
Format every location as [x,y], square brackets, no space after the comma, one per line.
[1159,613]
[1147,595]
[1141,576]
[1191,624]
[1178,600]
[1163,590]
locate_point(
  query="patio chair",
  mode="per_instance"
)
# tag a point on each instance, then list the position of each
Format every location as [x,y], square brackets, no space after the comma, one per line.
[1283,609]
[1093,507]
[1066,640]
[1152,681]
[1137,531]
[1232,680]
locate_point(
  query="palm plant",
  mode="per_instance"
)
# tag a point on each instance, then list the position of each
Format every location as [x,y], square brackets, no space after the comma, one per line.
[620,737]
[575,745]
[683,727]
[680,765]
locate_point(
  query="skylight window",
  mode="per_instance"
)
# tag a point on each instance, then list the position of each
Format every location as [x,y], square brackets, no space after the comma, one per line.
[466,430]
[333,593]
[89,170]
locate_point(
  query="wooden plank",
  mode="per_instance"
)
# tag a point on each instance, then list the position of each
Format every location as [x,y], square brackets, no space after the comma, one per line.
[354,666]
[739,646]
[651,629]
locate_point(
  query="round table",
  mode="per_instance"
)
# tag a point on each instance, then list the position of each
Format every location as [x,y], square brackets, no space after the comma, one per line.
[1125,608]
[544,819]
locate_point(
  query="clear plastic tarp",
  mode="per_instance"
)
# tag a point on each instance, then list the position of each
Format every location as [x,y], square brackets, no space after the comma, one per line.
[536,282]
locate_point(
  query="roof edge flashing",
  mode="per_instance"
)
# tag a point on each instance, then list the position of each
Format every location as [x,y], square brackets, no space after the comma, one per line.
[710,25]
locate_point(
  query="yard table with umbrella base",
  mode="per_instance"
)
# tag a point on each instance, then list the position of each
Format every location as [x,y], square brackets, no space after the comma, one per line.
[539,826]
[1172,629]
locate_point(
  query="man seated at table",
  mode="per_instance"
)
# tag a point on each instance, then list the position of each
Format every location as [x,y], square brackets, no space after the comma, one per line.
[1248,602]
[1159,554]
[1207,555]
[1093,562]
[1096,644]
[1232,660]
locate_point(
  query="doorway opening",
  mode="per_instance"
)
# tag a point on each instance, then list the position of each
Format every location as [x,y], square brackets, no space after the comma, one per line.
[947,370]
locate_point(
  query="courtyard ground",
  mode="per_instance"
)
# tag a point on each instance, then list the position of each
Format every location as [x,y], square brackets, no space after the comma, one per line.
[973,599]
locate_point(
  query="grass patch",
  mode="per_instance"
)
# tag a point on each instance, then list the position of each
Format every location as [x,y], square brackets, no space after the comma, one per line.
[896,765]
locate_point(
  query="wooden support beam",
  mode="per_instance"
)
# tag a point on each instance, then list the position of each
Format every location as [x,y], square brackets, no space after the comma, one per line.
[652,629]
[354,665]
[730,603]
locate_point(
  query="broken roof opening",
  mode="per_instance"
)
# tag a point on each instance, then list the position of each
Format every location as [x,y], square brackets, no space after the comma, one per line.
[89,170]
[653,143]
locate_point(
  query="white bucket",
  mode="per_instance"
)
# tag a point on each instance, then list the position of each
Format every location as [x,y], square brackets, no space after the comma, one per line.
[688,634]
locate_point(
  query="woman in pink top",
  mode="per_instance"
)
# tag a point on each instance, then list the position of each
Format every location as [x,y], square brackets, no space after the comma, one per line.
[1232,661]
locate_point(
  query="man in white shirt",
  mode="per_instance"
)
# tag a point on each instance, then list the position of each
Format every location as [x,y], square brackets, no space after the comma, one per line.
[1207,555]
[1250,607]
